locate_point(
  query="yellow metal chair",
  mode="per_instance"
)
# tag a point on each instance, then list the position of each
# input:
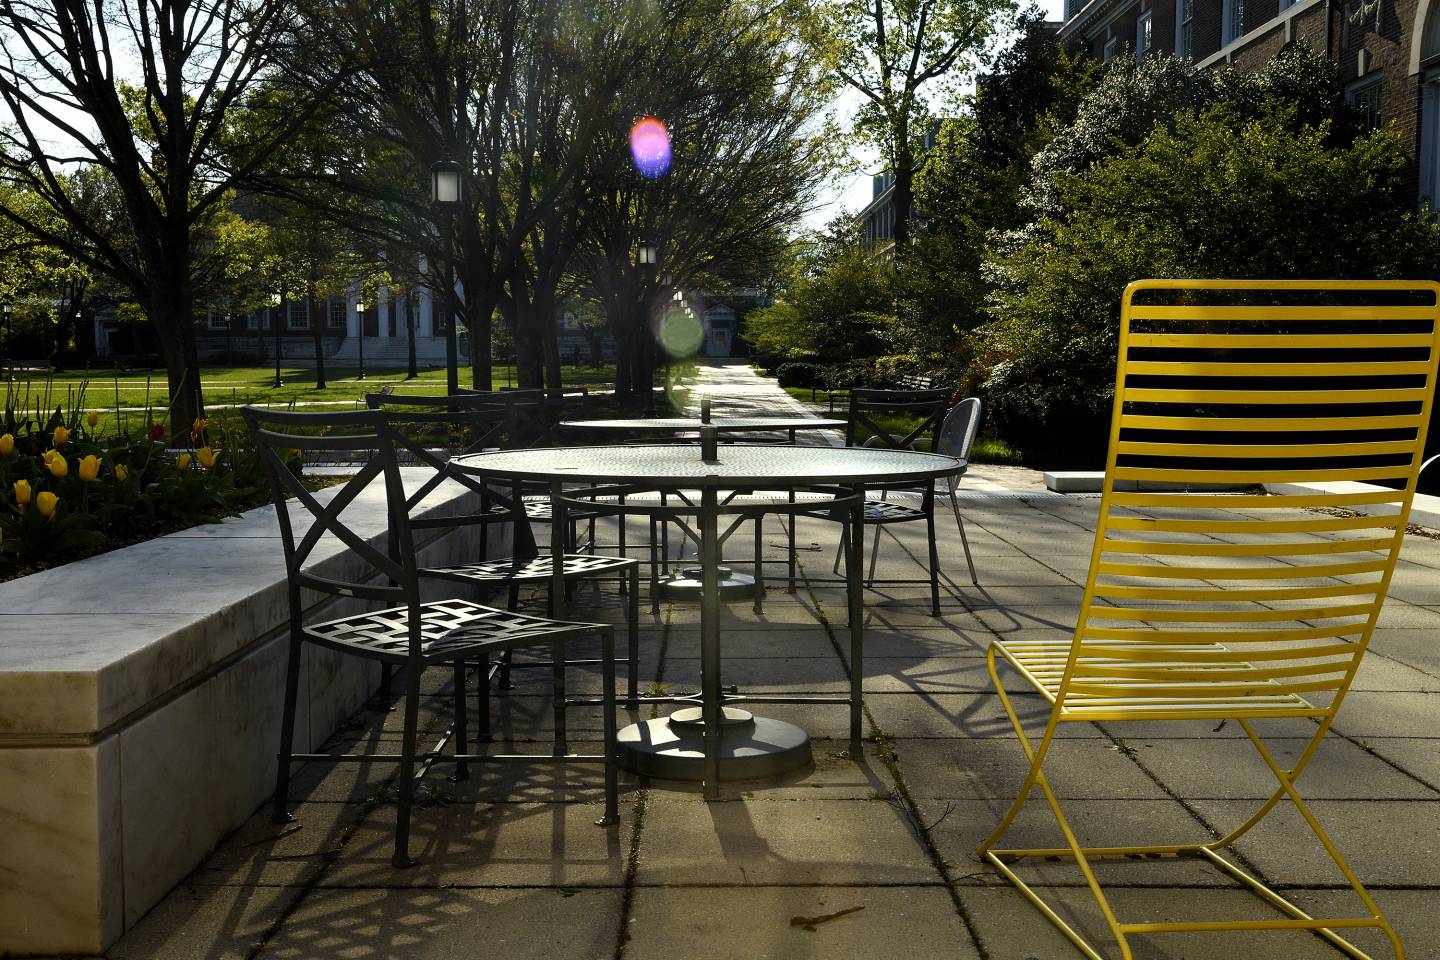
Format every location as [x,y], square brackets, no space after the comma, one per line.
[1238,606]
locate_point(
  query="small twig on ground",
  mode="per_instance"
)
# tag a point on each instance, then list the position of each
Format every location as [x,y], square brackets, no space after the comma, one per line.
[949,809]
[810,923]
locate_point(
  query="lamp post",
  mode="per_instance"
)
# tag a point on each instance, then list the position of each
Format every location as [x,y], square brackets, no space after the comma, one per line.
[360,326]
[646,258]
[6,310]
[277,304]
[445,198]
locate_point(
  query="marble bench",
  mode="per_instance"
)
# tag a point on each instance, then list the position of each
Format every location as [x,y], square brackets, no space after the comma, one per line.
[140,696]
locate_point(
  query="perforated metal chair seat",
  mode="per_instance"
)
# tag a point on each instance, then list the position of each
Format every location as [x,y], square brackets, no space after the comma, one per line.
[887,511]
[538,507]
[1103,687]
[541,568]
[450,630]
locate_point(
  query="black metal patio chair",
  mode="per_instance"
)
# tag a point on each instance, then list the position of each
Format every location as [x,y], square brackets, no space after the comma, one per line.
[406,633]
[422,428]
[899,420]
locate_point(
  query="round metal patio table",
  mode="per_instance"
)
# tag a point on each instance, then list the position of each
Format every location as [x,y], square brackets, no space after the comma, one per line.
[716,741]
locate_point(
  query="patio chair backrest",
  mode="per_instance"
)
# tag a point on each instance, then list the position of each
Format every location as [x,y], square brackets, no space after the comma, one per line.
[873,414]
[388,575]
[1250,605]
[536,416]
[423,428]
[957,433]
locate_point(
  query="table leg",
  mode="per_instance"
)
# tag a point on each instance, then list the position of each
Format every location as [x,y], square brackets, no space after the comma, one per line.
[855,595]
[710,691]
[557,551]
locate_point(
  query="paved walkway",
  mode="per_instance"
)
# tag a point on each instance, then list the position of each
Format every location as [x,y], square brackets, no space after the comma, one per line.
[512,867]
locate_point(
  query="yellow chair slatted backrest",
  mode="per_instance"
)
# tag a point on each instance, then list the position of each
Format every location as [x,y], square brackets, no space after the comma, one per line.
[1248,605]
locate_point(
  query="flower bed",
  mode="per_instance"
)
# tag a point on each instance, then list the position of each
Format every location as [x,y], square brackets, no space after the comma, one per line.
[67,492]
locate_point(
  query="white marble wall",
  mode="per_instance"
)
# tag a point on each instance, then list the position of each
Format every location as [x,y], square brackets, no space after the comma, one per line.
[140,702]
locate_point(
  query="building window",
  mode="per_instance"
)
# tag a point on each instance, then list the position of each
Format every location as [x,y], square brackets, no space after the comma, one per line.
[1430,141]
[1364,96]
[299,318]
[335,311]
[1112,46]
[1184,28]
[1233,21]
[217,319]
[1142,36]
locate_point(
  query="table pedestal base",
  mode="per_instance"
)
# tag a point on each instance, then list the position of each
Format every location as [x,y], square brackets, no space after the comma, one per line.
[688,585]
[673,748]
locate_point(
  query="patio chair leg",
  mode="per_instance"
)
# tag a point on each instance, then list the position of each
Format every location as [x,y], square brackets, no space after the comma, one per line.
[287,736]
[632,640]
[855,601]
[964,541]
[620,529]
[790,520]
[482,701]
[462,742]
[654,571]
[401,857]
[557,676]
[759,605]
[386,672]
[607,696]
[841,549]
[934,558]
[874,554]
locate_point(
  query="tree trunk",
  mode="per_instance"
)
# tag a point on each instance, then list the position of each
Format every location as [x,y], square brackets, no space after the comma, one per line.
[170,313]
[317,328]
[903,199]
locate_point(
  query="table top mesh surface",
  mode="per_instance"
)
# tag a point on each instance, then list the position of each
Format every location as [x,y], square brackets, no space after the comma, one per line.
[737,463]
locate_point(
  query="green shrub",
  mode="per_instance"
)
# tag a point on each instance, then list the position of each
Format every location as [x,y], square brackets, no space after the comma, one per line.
[1216,196]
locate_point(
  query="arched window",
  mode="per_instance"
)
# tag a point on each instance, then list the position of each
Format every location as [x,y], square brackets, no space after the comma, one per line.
[1430,40]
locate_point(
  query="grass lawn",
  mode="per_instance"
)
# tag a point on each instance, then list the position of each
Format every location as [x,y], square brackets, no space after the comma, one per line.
[127,395]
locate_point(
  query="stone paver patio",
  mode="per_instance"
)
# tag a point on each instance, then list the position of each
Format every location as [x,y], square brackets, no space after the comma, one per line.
[511,865]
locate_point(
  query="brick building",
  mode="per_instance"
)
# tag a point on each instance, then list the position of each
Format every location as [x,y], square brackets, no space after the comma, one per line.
[1388,51]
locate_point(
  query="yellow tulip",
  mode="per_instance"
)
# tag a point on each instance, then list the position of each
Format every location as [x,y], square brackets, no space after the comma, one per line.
[121,473]
[206,456]
[22,492]
[92,418]
[7,444]
[183,461]
[60,436]
[57,466]
[46,503]
[89,467]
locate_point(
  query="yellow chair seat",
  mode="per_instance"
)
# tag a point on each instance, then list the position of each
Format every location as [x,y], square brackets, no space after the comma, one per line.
[1230,694]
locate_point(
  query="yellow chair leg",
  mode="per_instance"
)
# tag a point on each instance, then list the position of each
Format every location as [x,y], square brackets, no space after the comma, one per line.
[1298,919]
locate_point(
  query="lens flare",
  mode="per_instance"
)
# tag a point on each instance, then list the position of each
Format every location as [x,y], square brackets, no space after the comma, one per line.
[650,147]
[679,332]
